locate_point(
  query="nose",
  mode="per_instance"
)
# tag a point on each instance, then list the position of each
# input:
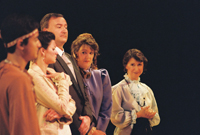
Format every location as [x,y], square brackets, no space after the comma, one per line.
[64,30]
[136,68]
[39,44]
[88,56]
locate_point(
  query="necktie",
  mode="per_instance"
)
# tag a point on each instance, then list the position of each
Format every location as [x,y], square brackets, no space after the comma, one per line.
[69,64]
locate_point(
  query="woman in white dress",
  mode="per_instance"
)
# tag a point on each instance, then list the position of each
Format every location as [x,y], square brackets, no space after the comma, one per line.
[52,90]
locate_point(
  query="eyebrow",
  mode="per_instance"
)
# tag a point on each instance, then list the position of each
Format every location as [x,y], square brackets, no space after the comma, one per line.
[61,24]
[91,50]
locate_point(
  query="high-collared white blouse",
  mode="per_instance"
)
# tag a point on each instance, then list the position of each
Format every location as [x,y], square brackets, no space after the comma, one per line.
[52,93]
[128,98]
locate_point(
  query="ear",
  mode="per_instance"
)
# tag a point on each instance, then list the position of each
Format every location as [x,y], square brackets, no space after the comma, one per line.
[19,44]
[126,67]
[42,51]
[44,29]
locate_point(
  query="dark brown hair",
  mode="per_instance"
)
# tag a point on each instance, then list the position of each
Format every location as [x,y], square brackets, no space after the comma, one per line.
[137,55]
[45,38]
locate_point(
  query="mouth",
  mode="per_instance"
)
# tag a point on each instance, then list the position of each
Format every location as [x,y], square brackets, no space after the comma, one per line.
[136,73]
[63,36]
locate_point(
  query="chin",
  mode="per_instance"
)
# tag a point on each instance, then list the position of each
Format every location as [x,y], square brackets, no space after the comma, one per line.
[35,57]
[54,61]
[65,39]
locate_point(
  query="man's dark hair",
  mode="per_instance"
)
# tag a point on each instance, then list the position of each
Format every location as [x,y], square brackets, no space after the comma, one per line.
[15,26]
[44,23]
[45,38]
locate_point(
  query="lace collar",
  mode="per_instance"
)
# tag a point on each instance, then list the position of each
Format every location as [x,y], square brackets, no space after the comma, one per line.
[129,80]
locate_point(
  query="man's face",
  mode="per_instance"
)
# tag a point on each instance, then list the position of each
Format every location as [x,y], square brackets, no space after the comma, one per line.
[58,26]
[30,51]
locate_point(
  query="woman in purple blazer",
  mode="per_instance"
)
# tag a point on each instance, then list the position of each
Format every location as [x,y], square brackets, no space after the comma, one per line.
[97,81]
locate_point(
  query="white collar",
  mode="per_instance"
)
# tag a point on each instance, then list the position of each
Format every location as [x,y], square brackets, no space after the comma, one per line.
[131,81]
[60,52]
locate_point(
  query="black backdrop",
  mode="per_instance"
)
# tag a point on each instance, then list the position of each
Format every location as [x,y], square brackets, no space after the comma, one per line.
[167,32]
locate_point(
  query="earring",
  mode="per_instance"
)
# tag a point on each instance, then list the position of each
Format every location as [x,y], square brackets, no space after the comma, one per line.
[43,58]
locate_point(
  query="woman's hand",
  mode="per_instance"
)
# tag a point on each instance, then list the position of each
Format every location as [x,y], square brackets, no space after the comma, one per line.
[94,131]
[51,115]
[146,112]
[52,75]
[98,132]
[149,113]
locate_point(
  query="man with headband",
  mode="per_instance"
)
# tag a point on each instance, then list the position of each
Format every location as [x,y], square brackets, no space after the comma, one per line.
[18,112]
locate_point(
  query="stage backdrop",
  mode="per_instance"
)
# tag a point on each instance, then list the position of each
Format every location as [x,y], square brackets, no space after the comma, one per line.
[167,32]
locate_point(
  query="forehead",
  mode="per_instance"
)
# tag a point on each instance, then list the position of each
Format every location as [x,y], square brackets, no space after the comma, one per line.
[57,20]
[86,47]
[133,60]
[32,39]
[52,43]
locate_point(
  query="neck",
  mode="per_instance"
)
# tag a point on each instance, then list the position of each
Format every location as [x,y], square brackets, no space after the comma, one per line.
[43,66]
[132,78]
[60,46]
[17,60]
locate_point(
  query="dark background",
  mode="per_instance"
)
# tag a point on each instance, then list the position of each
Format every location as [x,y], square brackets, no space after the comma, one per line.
[167,32]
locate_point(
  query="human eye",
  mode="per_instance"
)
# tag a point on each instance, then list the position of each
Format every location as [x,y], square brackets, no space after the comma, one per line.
[58,26]
[140,64]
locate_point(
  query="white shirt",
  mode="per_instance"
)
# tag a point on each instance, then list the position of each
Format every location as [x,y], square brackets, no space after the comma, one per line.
[60,52]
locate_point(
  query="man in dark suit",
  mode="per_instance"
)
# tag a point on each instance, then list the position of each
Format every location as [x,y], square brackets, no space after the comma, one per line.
[82,118]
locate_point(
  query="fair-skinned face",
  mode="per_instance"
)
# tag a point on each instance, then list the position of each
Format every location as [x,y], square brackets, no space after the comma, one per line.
[30,51]
[58,26]
[134,69]
[50,54]
[85,57]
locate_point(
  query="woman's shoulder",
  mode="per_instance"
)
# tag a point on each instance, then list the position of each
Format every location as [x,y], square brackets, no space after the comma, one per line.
[102,72]
[146,86]
[119,85]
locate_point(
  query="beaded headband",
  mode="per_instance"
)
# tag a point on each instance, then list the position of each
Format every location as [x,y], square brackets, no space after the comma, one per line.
[22,37]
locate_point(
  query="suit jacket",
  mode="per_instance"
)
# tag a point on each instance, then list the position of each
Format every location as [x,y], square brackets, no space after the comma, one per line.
[76,90]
